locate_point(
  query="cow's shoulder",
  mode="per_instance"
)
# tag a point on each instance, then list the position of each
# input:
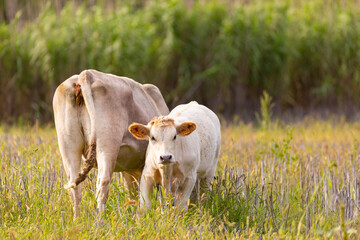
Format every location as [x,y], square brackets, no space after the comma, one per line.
[155,94]
[152,90]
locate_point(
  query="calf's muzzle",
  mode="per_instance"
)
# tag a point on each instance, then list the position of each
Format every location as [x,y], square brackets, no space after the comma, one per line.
[165,159]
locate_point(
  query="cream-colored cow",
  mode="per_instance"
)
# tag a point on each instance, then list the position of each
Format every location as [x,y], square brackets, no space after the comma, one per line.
[183,146]
[92,113]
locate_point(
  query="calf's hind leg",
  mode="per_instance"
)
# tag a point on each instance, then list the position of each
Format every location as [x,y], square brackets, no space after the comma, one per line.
[205,184]
[184,192]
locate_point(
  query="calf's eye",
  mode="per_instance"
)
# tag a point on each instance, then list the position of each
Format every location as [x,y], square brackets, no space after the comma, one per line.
[174,137]
[152,138]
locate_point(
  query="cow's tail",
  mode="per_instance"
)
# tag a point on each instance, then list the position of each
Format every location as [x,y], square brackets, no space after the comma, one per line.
[84,91]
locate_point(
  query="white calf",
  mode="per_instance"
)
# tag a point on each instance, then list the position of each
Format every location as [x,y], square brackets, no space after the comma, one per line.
[183,146]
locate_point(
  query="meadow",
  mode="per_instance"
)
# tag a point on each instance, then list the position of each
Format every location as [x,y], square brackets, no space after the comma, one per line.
[297,180]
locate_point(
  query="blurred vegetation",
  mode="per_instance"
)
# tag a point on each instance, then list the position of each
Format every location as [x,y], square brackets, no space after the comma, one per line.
[222,54]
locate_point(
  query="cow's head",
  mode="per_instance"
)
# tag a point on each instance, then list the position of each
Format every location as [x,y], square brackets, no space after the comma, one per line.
[162,135]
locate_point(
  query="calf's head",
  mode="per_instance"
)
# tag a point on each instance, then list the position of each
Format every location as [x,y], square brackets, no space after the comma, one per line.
[162,135]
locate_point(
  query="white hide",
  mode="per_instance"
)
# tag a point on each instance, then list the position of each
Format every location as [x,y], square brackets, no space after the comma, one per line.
[195,156]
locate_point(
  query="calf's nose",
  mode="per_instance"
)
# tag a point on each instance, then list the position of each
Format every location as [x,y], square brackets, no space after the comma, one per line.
[165,158]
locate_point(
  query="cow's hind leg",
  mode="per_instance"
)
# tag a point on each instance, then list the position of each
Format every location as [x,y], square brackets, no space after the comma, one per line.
[71,147]
[106,163]
[70,136]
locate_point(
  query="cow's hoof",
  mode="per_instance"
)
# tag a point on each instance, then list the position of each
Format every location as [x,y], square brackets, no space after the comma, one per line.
[69,186]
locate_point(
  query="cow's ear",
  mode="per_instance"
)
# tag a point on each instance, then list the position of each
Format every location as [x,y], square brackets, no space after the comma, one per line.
[139,131]
[185,128]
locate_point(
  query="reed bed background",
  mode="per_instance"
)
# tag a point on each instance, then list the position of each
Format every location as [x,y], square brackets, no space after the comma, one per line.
[286,181]
[222,54]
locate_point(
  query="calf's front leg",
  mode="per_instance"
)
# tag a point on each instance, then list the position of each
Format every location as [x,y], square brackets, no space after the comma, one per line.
[146,191]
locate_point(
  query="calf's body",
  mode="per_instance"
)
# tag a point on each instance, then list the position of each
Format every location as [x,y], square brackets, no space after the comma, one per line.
[183,146]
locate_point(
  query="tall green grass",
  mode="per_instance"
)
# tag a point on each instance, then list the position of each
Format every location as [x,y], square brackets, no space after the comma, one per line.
[296,181]
[303,53]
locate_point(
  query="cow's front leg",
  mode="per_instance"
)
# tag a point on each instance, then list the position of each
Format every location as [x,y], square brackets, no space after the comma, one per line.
[146,192]
[184,192]
[106,164]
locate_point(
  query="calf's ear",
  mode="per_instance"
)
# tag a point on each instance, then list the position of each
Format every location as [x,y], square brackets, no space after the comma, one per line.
[139,131]
[185,128]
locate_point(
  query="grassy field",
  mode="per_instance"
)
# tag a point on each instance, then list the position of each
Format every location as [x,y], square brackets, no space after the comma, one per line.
[285,181]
